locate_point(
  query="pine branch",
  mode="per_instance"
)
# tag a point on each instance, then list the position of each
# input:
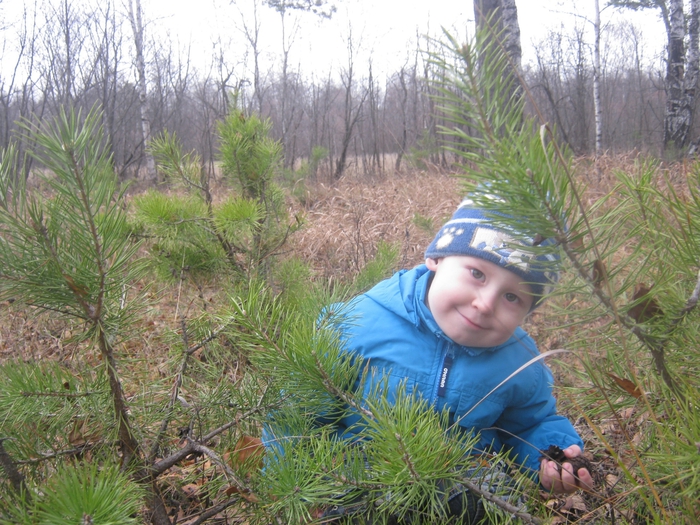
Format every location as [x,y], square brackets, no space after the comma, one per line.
[57,394]
[166,463]
[406,456]
[340,393]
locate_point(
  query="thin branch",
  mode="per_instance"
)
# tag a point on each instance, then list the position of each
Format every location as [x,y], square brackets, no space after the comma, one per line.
[68,452]
[164,464]
[230,474]
[57,394]
[492,498]
[691,303]
[407,457]
[175,392]
[213,511]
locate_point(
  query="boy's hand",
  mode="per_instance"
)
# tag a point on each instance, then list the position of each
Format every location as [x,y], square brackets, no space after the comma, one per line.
[560,476]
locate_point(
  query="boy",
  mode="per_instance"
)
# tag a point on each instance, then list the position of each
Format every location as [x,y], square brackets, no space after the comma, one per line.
[450,331]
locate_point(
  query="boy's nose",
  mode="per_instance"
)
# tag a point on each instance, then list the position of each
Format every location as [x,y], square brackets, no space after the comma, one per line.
[485,302]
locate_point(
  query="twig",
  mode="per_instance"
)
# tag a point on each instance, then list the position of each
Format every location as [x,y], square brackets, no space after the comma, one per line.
[67,452]
[492,498]
[213,511]
[230,474]
[691,303]
[407,458]
[173,396]
[179,288]
[175,393]
[57,394]
[164,464]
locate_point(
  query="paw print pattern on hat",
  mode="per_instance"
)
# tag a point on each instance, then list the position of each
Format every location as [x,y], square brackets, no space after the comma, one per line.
[447,236]
[500,243]
[474,232]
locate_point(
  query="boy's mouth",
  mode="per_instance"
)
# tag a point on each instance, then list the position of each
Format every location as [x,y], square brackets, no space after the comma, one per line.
[472,323]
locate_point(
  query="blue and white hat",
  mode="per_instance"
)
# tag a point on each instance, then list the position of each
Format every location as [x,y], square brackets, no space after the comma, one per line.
[471,232]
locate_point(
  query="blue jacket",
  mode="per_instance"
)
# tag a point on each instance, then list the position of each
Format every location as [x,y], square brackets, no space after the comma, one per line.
[392,328]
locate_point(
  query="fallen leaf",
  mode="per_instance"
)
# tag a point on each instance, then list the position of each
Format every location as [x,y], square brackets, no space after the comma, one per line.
[191,490]
[248,451]
[611,480]
[627,413]
[80,433]
[575,502]
[245,494]
[627,385]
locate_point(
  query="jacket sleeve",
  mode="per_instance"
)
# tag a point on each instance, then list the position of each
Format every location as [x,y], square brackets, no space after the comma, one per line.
[533,426]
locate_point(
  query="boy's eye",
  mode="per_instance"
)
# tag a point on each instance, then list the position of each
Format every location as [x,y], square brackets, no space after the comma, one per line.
[477,274]
[511,297]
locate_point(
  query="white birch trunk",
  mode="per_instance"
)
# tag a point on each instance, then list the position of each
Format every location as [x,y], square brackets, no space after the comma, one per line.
[511,32]
[596,84]
[137,27]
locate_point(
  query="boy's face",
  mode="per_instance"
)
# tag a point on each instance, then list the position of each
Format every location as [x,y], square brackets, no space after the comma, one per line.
[475,302]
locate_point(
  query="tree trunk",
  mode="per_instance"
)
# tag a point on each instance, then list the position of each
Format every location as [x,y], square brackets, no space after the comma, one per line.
[137,28]
[693,63]
[681,66]
[681,74]
[596,85]
[500,17]
[677,118]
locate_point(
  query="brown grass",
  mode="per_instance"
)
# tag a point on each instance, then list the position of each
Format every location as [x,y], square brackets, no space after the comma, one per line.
[345,222]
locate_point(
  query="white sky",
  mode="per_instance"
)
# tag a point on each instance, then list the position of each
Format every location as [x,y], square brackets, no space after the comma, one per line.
[384,30]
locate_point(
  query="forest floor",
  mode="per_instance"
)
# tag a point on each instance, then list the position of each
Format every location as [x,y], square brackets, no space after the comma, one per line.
[343,225]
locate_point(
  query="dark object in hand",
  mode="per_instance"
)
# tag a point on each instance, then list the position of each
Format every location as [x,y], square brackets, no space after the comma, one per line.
[554,453]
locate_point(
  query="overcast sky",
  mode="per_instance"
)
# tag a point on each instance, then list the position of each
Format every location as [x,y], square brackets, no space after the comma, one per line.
[384,31]
[380,28]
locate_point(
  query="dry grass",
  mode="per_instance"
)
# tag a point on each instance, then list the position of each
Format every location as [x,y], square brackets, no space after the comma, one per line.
[345,222]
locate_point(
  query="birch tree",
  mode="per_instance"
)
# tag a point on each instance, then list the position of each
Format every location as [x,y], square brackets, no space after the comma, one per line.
[681,65]
[136,20]
[596,83]
[500,17]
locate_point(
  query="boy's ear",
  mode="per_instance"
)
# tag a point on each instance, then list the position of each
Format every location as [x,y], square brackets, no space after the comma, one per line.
[432,264]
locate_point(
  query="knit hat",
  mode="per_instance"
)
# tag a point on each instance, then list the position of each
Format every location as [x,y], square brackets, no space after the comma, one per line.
[471,232]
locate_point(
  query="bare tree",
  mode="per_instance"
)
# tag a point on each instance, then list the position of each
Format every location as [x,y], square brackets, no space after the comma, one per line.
[251,31]
[400,77]
[352,107]
[107,43]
